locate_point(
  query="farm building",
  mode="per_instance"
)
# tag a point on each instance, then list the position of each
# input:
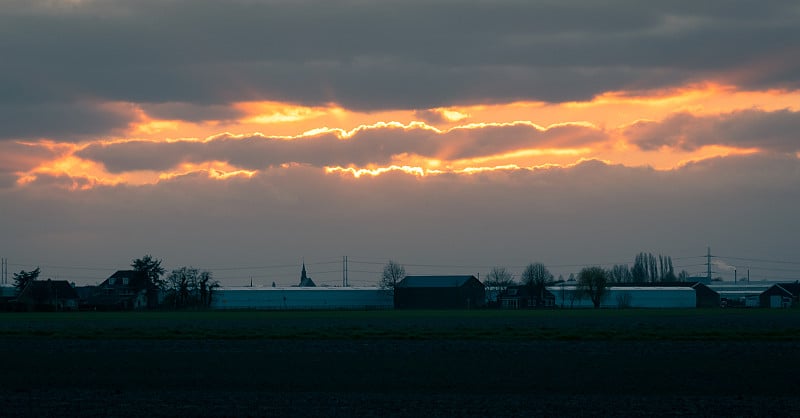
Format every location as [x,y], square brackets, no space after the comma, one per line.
[124,290]
[776,297]
[276,298]
[628,297]
[439,292]
[525,297]
[794,289]
[705,296]
[734,295]
[48,295]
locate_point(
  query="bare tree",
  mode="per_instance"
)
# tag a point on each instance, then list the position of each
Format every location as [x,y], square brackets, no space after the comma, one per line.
[593,282]
[620,273]
[499,277]
[537,276]
[392,274]
[498,280]
[188,287]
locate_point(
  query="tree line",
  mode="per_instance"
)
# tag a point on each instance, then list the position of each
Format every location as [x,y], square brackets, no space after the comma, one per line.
[592,281]
[184,287]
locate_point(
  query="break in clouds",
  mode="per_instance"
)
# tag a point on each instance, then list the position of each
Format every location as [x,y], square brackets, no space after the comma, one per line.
[381,144]
[368,145]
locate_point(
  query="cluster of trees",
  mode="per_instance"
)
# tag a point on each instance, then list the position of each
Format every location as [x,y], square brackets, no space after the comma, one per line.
[184,287]
[647,268]
[591,282]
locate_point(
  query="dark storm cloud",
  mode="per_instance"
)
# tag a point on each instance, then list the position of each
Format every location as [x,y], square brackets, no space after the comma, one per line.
[70,121]
[772,131]
[392,54]
[374,145]
[191,112]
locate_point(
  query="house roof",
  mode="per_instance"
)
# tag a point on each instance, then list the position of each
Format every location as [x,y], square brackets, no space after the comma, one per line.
[136,280]
[435,281]
[793,288]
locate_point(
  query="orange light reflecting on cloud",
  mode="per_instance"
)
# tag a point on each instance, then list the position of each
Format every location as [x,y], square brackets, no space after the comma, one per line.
[358,172]
[607,114]
[217,170]
[73,167]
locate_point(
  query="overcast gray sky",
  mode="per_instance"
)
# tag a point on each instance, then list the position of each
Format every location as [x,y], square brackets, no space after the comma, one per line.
[452,136]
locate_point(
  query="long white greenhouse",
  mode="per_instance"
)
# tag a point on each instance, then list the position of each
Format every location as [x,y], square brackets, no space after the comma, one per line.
[628,297]
[276,298]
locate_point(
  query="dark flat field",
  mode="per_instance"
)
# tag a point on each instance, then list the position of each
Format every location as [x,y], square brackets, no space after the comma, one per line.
[555,363]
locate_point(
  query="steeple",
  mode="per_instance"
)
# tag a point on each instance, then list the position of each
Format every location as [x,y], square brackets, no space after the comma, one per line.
[305,281]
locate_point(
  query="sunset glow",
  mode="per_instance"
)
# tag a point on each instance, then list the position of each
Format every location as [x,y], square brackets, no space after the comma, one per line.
[516,130]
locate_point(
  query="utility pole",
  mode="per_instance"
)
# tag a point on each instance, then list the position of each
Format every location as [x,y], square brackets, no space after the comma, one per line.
[344,272]
[708,264]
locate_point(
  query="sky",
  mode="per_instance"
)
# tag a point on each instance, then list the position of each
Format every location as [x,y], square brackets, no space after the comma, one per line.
[246,137]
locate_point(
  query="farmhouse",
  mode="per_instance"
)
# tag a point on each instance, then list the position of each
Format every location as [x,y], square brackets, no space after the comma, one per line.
[124,290]
[275,298]
[522,297]
[48,295]
[439,292]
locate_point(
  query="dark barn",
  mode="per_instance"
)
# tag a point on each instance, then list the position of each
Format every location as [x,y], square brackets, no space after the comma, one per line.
[706,296]
[439,292]
[777,296]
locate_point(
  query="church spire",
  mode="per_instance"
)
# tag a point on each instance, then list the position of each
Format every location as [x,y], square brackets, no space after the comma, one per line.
[305,281]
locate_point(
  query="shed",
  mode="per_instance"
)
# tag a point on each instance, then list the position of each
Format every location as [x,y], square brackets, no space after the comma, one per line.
[794,289]
[776,297]
[439,292]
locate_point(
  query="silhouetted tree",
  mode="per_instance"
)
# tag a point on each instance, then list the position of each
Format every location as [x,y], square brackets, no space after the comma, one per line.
[537,276]
[620,273]
[683,276]
[392,274]
[499,277]
[667,270]
[649,268]
[206,286]
[639,270]
[22,278]
[593,282]
[152,269]
[187,287]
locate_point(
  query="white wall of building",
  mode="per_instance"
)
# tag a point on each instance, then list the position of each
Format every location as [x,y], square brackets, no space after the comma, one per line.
[632,297]
[275,298]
